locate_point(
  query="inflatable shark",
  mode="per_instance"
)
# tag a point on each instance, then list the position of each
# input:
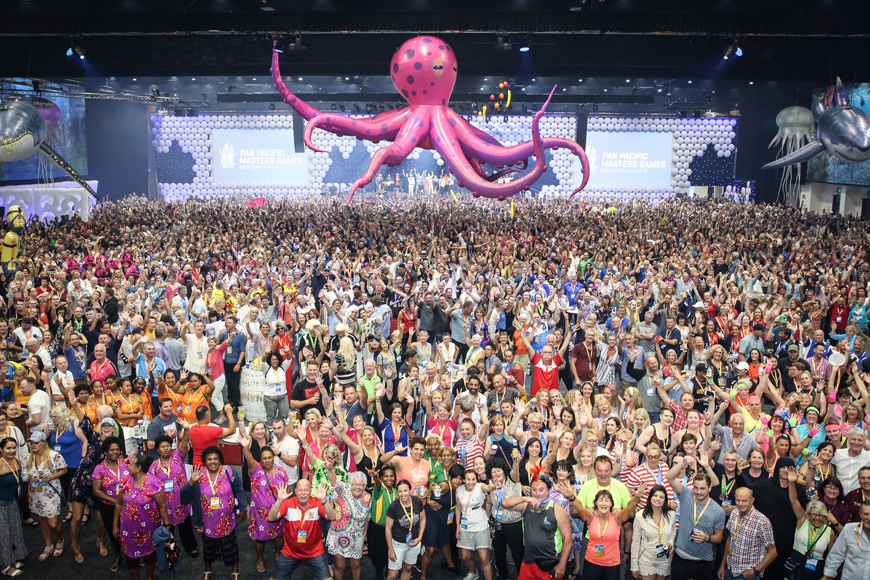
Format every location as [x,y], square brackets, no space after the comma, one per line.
[23,133]
[841,129]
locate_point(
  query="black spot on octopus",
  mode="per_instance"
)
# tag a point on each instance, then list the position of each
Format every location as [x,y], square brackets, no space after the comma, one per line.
[395,67]
[404,93]
[418,65]
[384,127]
[410,79]
[414,93]
[409,54]
[427,40]
[440,47]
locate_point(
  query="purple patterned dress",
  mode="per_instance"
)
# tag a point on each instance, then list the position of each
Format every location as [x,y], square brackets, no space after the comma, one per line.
[140,516]
[173,478]
[264,493]
[218,504]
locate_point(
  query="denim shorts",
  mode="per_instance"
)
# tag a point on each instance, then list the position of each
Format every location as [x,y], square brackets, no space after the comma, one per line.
[286,565]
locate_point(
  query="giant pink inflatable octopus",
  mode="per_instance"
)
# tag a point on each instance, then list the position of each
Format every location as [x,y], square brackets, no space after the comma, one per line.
[424,70]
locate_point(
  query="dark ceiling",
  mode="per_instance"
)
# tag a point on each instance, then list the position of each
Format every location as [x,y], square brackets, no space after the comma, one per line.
[669,39]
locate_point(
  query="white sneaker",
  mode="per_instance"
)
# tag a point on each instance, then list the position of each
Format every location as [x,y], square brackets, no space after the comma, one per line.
[471,576]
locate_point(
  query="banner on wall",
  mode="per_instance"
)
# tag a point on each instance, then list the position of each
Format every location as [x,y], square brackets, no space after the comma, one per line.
[257,156]
[627,160]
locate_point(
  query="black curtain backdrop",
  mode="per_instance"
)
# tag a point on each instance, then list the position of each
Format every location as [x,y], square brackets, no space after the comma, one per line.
[118,141]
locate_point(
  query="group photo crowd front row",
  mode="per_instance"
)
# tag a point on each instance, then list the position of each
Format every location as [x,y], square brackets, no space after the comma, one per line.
[434,389]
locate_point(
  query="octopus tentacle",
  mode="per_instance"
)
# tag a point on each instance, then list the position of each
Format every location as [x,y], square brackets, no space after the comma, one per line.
[381,127]
[411,133]
[360,128]
[475,164]
[474,140]
[448,145]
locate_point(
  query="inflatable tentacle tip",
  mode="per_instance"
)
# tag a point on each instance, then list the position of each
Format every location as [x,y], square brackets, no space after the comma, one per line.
[422,61]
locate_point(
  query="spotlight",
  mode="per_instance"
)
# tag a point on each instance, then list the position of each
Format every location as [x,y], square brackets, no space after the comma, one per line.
[155,94]
[295,45]
[357,108]
[502,43]
[369,108]
[76,48]
[266,6]
[525,45]
[733,49]
[342,108]
[271,106]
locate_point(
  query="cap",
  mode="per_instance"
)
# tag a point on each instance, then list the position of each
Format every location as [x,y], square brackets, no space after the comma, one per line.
[701,368]
[699,304]
[793,348]
[758,327]
[782,319]
[107,421]
[743,365]
[38,436]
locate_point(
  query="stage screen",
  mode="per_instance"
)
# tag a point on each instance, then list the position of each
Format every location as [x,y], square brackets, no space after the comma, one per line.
[628,160]
[257,156]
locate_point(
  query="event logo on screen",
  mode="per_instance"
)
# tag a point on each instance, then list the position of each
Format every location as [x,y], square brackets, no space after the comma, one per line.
[258,156]
[634,160]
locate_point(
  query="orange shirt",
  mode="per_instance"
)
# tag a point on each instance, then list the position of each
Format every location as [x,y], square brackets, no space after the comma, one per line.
[519,345]
[129,406]
[190,400]
[176,399]
[91,408]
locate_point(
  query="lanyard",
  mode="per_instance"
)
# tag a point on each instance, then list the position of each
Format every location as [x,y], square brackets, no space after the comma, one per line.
[743,521]
[467,502]
[661,526]
[814,539]
[117,475]
[213,484]
[409,516]
[726,489]
[658,479]
[167,469]
[695,510]
[397,435]
[604,531]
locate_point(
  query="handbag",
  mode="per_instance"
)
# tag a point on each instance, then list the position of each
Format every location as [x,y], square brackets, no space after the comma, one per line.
[172,551]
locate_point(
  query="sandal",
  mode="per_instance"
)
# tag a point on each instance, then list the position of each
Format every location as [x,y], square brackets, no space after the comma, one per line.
[235,575]
[84,519]
[68,517]
[261,566]
[77,555]
[116,565]
[206,575]
[102,548]
[45,554]
[11,571]
[58,550]
[31,522]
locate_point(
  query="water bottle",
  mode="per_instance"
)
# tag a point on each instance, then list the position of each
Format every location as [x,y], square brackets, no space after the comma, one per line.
[436,491]
[145,423]
[139,429]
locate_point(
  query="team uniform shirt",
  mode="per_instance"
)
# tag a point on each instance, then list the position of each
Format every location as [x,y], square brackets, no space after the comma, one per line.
[545,376]
[303,537]
[643,473]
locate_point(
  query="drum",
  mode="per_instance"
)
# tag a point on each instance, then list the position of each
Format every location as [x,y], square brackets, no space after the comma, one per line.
[253,383]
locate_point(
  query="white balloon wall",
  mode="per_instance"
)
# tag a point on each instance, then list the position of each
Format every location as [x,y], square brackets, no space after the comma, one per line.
[691,139]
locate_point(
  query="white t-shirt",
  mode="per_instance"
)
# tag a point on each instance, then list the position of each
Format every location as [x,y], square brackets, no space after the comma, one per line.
[848,466]
[39,403]
[289,446]
[197,349]
[474,518]
[66,380]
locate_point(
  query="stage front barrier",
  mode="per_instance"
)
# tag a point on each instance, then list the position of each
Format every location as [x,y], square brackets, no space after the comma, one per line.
[50,200]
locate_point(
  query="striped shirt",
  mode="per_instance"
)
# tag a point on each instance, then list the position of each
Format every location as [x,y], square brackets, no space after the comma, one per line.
[643,473]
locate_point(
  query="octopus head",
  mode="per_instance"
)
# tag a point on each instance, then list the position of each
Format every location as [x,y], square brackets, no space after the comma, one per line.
[424,71]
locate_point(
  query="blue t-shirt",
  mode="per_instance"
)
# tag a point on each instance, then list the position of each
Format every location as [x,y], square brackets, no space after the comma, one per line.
[710,521]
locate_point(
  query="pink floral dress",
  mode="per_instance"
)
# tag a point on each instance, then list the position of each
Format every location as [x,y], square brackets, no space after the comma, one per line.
[173,478]
[140,516]
[264,492]
[112,478]
[218,504]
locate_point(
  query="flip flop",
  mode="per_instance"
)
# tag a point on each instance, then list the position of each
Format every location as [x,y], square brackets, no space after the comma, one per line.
[261,566]
[116,565]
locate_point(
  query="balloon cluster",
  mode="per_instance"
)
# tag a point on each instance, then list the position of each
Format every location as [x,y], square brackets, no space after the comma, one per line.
[501,100]
[691,139]
[193,136]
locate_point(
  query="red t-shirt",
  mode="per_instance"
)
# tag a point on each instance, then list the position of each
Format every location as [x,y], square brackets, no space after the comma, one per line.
[202,436]
[545,376]
[303,537]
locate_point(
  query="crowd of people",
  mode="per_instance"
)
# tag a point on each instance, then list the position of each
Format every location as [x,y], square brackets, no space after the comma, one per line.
[652,390]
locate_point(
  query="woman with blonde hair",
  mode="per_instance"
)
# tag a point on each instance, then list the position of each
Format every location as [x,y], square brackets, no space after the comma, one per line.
[68,440]
[44,467]
[343,365]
